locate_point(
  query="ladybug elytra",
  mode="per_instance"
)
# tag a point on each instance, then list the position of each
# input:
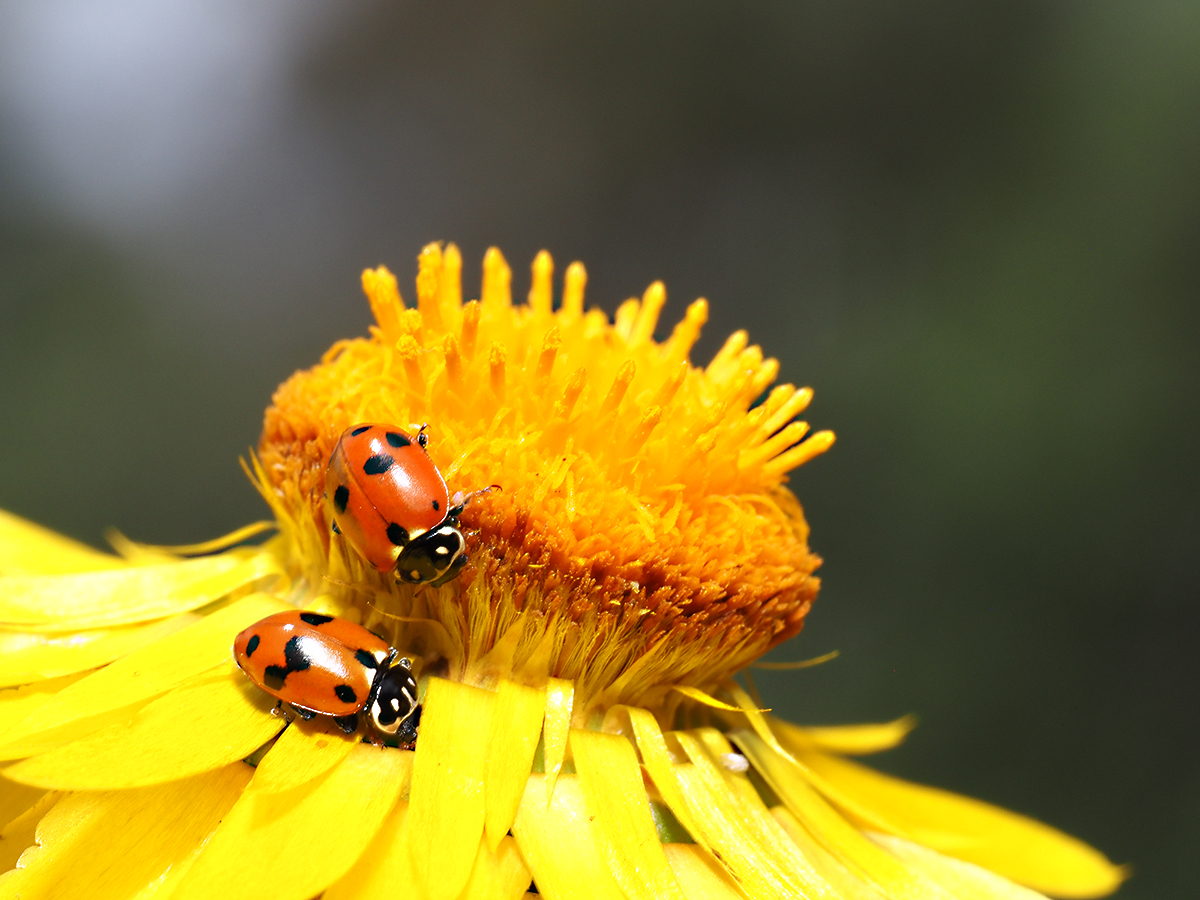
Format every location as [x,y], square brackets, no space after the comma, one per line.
[388,499]
[323,665]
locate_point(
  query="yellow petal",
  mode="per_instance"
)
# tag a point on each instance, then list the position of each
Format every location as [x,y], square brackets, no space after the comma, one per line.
[123,596]
[755,808]
[224,542]
[612,785]
[657,759]
[556,838]
[838,836]
[49,738]
[849,740]
[751,862]
[17,704]
[1017,847]
[844,882]
[386,863]
[293,844]
[16,799]
[960,879]
[194,728]
[29,549]
[723,796]
[20,831]
[757,718]
[698,875]
[29,657]
[865,815]
[153,668]
[516,723]
[559,697]
[383,865]
[113,845]
[304,751]
[446,805]
[701,697]
[497,876]
[798,664]
[700,798]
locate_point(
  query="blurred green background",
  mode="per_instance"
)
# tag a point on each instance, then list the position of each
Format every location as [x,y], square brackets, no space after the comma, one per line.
[973,228]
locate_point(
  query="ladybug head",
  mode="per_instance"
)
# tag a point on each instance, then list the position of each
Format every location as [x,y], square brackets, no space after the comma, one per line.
[433,558]
[394,709]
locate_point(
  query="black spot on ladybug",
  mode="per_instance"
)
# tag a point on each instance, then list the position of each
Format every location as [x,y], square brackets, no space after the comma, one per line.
[397,535]
[366,660]
[378,464]
[315,619]
[398,440]
[274,676]
[293,653]
[357,431]
[345,693]
[341,497]
[435,505]
[251,645]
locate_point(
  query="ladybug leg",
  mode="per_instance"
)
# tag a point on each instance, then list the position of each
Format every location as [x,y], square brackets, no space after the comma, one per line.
[407,735]
[305,714]
[422,437]
[348,724]
[279,709]
[461,500]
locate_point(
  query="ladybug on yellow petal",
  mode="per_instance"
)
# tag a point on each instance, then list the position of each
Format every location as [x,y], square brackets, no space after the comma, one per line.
[388,499]
[323,665]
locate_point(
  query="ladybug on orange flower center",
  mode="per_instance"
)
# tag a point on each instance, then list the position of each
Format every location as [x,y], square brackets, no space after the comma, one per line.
[388,499]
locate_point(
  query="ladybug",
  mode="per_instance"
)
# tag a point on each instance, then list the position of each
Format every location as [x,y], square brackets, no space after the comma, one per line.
[390,501]
[323,665]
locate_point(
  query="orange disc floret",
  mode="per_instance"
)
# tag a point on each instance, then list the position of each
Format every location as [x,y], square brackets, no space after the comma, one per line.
[642,536]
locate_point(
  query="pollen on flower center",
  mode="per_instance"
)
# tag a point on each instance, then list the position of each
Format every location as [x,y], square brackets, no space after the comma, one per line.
[642,536]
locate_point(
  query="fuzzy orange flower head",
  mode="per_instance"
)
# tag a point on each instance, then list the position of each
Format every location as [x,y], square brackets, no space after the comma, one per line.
[573,725]
[641,536]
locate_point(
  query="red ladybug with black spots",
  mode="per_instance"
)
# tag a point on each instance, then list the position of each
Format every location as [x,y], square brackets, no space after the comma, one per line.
[323,665]
[388,499]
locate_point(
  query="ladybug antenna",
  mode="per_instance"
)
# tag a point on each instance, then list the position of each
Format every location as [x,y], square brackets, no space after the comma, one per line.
[436,637]
[361,586]
[388,615]
[460,500]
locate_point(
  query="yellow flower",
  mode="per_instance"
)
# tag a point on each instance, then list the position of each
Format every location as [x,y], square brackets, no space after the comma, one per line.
[581,727]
